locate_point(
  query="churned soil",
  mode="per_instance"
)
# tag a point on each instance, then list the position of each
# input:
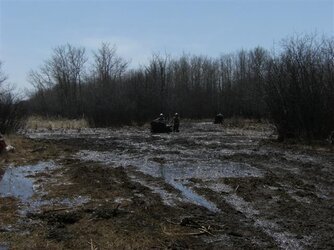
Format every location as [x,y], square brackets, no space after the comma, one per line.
[206,187]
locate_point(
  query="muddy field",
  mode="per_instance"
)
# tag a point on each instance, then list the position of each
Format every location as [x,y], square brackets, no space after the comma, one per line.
[207,187]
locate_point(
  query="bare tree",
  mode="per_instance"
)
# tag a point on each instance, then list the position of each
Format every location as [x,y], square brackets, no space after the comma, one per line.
[3,77]
[107,64]
[63,73]
[299,94]
[11,110]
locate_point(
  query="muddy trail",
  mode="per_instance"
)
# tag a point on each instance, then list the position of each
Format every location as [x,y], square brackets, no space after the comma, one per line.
[207,187]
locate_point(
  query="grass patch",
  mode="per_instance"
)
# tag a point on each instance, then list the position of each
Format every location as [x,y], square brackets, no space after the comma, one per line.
[252,124]
[28,151]
[37,122]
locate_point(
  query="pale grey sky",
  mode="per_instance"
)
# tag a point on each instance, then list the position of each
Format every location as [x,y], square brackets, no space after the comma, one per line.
[30,29]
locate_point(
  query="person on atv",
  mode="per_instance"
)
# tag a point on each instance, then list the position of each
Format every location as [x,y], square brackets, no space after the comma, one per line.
[219,118]
[159,125]
[176,122]
[161,118]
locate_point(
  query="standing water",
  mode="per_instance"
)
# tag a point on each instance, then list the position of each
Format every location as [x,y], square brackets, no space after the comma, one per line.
[16,181]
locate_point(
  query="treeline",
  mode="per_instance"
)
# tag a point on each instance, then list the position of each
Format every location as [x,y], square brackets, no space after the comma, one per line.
[294,86]
[195,86]
[299,88]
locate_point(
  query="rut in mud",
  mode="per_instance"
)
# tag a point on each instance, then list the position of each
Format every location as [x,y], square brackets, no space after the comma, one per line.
[245,190]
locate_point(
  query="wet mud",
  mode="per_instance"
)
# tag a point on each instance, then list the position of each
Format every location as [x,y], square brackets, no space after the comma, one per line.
[207,187]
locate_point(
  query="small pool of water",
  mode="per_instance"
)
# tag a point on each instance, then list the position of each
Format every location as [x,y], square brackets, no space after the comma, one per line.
[3,246]
[19,182]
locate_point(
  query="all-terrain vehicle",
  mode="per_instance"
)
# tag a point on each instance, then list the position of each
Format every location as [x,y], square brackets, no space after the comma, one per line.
[219,118]
[160,127]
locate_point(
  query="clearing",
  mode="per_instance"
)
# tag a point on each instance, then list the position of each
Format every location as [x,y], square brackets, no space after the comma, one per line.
[207,187]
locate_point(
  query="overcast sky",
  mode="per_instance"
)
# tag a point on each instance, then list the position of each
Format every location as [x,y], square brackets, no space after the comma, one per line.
[29,30]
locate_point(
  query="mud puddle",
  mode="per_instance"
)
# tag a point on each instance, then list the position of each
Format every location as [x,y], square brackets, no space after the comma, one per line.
[26,183]
[192,196]
[19,181]
[4,246]
[176,172]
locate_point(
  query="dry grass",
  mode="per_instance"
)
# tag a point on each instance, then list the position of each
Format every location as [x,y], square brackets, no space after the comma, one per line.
[27,151]
[37,122]
[237,122]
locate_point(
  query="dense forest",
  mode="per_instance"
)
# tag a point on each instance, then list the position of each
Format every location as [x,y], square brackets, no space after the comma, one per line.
[292,86]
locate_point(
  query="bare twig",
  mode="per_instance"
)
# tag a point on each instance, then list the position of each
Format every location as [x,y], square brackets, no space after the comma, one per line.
[206,230]
[182,234]
[193,224]
[172,222]
[55,210]
[92,246]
